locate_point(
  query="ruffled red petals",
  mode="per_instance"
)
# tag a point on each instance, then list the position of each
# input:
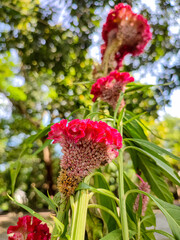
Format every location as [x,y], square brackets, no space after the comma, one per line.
[115,78]
[97,132]
[29,228]
[130,28]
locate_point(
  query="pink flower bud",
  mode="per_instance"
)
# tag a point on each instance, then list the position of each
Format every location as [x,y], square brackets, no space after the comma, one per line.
[144,186]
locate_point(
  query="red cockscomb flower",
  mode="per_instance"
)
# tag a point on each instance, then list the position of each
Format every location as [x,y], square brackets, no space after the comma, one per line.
[144,186]
[109,88]
[29,228]
[86,145]
[130,30]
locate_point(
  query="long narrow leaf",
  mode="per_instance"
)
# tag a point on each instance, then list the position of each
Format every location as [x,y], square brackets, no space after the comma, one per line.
[168,170]
[32,212]
[84,186]
[14,170]
[152,174]
[45,198]
[154,147]
[162,233]
[105,201]
[46,143]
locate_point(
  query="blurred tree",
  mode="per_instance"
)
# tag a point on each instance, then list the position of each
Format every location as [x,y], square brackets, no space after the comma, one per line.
[44,65]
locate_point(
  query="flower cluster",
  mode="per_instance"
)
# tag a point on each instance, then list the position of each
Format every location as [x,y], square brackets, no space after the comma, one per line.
[109,88]
[29,228]
[130,31]
[86,145]
[144,186]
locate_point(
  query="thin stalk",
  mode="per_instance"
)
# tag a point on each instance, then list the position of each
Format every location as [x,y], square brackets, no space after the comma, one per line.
[138,229]
[79,215]
[123,214]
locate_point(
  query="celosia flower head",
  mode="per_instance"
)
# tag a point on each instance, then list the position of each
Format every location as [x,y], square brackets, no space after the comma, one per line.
[86,145]
[144,186]
[129,29]
[109,88]
[29,228]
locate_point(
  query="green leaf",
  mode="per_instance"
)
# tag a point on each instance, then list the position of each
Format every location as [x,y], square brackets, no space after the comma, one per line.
[105,192]
[46,199]
[100,182]
[59,226]
[46,143]
[121,114]
[57,198]
[152,173]
[133,129]
[160,161]
[133,118]
[128,185]
[116,235]
[77,110]
[14,170]
[107,210]
[171,212]
[141,123]
[139,86]
[153,147]
[93,219]
[32,212]
[28,141]
[162,233]
[149,219]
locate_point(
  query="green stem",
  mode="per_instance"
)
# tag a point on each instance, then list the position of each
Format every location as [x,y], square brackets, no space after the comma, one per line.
[125,232]
[79,215]
[138,229]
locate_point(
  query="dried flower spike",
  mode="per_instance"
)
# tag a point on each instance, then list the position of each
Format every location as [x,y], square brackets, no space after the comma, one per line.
[86,145]
[29,228]
[109,88]
[124,33]
[144,186]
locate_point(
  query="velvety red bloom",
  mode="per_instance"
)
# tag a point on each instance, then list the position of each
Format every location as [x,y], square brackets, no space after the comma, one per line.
[29,228]
[86,145]
[144,186]
[109,88]
[130,29]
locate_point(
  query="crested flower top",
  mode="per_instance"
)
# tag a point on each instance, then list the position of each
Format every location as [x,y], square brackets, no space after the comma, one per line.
[130,29]
[97,132]
[110,85]
[86,145]
[29,228]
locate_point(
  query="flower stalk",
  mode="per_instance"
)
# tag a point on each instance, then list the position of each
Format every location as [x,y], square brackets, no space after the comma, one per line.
[123,213]
[79,215]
